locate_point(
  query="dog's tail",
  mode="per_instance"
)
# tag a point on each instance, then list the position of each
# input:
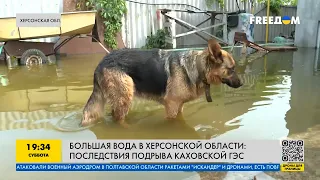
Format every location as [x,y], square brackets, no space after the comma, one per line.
[97,92]
[97,85]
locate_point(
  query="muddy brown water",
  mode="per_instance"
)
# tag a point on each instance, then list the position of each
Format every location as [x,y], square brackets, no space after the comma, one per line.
[280,98]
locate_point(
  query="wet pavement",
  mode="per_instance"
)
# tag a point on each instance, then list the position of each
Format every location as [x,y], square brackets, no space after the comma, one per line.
[280,99]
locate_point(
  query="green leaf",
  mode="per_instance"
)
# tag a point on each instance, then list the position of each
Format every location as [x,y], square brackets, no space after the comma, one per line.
[112,12]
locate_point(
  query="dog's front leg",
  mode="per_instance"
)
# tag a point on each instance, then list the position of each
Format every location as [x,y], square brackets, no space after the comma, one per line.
[173,108]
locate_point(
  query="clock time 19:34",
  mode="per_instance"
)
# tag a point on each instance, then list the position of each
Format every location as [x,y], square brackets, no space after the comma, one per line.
[38,146]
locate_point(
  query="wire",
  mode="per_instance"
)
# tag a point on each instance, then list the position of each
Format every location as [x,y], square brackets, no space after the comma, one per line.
[238,5]
[154,4]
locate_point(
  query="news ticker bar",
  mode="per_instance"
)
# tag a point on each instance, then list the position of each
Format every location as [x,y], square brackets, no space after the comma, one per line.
[161,167]
[158,151]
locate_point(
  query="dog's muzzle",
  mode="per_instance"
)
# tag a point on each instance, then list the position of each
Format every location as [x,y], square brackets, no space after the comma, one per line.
[233,81]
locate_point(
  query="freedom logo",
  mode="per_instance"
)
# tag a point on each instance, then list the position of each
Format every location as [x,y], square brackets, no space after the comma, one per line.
[274,20]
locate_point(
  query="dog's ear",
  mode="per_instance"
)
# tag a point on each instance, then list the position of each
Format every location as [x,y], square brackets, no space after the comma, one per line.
[214,49]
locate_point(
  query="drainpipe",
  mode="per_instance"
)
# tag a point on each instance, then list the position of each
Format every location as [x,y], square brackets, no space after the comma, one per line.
[267,26]
[252,7]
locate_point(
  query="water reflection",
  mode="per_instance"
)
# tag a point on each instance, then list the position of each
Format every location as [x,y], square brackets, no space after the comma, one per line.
[305,96]
[317,63]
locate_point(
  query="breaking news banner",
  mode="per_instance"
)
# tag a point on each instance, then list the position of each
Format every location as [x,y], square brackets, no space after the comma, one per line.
[159,155]
[38,19]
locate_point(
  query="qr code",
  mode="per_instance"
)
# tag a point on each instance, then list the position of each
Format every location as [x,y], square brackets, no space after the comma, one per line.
[292,150]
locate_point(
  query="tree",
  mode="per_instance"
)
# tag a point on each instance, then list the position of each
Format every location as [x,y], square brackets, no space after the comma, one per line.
[275,5]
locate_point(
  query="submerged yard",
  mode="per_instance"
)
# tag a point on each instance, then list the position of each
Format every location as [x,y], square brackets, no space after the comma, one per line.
[280,98]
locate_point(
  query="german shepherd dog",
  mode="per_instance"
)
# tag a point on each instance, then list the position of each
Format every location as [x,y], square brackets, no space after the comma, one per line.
[171,78]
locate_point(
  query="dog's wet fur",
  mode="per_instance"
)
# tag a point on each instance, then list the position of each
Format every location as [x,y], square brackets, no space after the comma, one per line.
[171,78]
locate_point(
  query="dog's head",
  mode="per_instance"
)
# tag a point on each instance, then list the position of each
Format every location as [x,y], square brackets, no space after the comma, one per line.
[222,66]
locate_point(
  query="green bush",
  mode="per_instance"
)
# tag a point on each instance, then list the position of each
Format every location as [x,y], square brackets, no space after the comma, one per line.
[275,5]
[157,40]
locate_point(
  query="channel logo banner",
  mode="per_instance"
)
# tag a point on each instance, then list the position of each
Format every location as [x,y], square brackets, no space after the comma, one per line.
[116,155]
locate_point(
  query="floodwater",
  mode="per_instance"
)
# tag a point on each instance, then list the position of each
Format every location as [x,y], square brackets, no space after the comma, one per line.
[280,98]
